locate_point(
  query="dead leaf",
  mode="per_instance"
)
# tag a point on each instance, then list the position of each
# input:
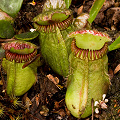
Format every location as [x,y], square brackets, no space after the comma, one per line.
[44,111]
[118,111]
[117,69]
[61,112]
[110,72]
[80,9]
[55,80]
[28,103]
[37,100]
[67,111]
[1,82]
[57,105]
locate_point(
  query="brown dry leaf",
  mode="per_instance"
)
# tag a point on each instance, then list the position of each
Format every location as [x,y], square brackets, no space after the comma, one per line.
[11,117]
[118,111]
[55,80]
[37,99]
[117,69]
[115,105]
[67,111]
[110,72]
[56,105]
[80,9]
[1,82]
[61,112]
[28,103]
[44,111]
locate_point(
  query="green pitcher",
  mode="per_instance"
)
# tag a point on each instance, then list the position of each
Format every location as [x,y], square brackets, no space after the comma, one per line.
[88,77]
[54,24]
[20,65]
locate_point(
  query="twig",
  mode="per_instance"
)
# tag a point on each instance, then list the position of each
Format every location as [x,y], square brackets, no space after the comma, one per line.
[92,101]
[7,40]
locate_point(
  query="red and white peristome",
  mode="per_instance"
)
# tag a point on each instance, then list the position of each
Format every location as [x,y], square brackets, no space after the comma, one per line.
[86,53]
[93,32]
[90,54]
[18,58]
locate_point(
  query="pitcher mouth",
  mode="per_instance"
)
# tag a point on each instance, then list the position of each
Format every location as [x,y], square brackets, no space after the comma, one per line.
[19,51]
[86,53]
[52,26]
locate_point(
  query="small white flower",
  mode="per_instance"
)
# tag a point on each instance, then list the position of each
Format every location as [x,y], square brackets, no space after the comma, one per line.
[106,100]
[96,110]
[104,95]
[103,105]
[96,103]
[32,30]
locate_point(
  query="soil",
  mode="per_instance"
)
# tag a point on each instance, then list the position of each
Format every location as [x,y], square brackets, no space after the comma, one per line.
[46,99]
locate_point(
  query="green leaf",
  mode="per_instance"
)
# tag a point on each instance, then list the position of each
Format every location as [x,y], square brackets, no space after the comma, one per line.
[95,9]
[2,52]
[11,7]
[68,3]
[115,44]
[6,29]
[27,35]
[5,16]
